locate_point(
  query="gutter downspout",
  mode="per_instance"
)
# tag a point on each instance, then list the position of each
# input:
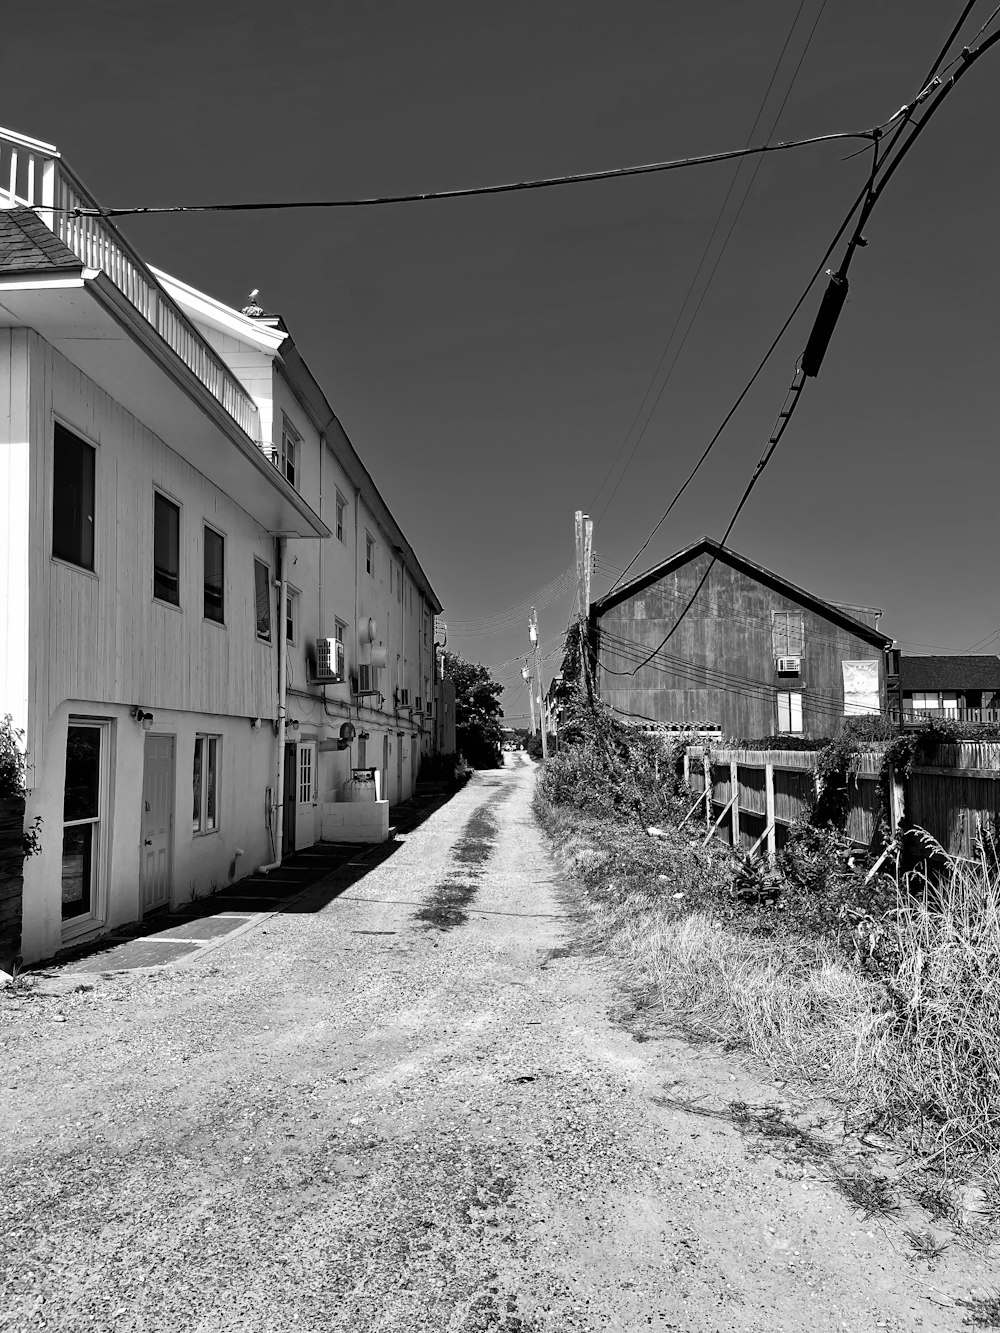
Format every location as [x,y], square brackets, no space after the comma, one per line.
[278,808]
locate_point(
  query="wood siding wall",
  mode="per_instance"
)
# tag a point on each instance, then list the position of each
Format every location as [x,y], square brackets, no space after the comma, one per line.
[101,635]
[718,667]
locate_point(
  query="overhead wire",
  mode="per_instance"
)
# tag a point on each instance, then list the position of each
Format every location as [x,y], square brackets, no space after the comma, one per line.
[859,202]
[875,187]
[701,265]
[509,187]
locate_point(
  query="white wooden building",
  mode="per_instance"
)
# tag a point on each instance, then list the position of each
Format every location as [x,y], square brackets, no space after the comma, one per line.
[186,536]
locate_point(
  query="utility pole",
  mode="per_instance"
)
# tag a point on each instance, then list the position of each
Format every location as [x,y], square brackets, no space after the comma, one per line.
[584,543]
[533,635]
[526,677]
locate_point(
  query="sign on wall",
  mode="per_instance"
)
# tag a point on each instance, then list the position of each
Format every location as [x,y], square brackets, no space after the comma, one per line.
[861,694]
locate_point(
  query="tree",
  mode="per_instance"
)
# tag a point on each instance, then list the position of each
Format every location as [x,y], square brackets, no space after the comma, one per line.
[478,731]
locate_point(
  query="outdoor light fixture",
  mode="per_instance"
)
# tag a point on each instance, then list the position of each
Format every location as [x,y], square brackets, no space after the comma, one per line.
[255,724]
[142,717]
[293,724]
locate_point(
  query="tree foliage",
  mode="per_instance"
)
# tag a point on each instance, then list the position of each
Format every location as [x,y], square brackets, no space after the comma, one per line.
[478,730]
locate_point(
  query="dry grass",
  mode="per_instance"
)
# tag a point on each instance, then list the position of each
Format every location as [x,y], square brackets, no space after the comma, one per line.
[912,1046]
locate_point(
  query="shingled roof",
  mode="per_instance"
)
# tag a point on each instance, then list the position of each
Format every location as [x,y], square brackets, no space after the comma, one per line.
[980,671]
[27,245]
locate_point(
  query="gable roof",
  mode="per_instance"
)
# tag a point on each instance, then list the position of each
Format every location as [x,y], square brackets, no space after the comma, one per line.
[979,671]
[28,246]
[726,556]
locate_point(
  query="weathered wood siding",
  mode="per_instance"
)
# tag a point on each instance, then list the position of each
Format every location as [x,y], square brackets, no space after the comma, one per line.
[101,635]
[719,665]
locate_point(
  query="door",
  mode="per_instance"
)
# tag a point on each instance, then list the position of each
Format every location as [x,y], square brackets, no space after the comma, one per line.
[384,793]
[306,798]
[399,768]
[157,822]
[289,798]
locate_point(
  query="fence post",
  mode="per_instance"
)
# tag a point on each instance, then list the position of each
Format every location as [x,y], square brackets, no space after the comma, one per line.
[734,791]
[707,765]
[772,841]
[687,766]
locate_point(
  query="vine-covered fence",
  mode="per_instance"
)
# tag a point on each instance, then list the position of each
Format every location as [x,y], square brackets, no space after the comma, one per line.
[756,795]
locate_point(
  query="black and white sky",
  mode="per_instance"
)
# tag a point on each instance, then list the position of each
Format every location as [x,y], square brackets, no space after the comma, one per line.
[489,356]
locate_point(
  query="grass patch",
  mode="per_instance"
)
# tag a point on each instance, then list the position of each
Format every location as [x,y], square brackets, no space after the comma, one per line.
[887,1001]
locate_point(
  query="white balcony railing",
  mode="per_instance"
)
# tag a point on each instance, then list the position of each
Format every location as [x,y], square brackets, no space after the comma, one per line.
[33,175]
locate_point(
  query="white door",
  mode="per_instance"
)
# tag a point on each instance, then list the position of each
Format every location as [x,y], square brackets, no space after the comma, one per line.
[157,822]
[306,797]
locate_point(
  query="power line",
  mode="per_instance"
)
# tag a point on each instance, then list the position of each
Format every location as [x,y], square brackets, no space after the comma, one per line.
[868,193]
[872,193]
[424,196]
[701,265]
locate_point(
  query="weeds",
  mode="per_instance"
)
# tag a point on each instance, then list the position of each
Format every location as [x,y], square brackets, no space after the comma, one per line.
[925,1244]
[984,1311]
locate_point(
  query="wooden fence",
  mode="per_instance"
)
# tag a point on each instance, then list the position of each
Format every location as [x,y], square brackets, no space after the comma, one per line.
[756,795]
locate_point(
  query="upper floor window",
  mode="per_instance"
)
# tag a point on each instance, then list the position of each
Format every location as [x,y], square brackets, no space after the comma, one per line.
[787,634]
[290,441]
[341,506]
[369,553]
[215,576]
[399,586]
[166,549]
[292,617]
[262,597]
[73,499]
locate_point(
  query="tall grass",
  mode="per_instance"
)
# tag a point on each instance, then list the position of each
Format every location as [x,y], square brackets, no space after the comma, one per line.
[905,1034]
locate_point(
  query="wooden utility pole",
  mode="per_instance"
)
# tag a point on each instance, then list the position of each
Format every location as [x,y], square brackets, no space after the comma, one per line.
[526,676]
[533,633]
[584,542]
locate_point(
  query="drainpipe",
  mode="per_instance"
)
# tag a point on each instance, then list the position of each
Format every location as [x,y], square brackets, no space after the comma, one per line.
[278,809]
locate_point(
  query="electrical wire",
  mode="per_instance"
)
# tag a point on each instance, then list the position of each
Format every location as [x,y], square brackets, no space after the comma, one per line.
[868,192]
[424,196]
[701,264]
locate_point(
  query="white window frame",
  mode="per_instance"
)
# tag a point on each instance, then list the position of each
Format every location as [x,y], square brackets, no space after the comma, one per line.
[306,776]
[207,746]
[369,554]
[789,706]
[292,616]
[160,494]
[341,506]
[289,453]
[216,532]
[58,425]
[262,638]
[101,838]
[792,648]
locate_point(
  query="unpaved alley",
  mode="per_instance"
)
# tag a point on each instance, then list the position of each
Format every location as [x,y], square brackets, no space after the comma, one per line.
[410,1107]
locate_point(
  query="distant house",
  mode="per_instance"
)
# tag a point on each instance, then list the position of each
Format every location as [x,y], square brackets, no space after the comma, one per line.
[965,688]
[753,655]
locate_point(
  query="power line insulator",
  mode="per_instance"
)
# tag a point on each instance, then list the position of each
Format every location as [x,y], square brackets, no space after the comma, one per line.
[826,321]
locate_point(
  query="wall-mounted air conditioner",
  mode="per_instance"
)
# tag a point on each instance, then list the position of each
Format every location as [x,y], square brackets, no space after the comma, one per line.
[789,666]
[430,708]
[402,698]
[329,660]
[418,704]
[367,679]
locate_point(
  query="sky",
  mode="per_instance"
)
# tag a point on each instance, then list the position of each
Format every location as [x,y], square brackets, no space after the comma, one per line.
[491,357]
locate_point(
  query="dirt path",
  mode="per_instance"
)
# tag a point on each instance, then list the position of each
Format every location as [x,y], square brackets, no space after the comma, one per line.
[408,1109]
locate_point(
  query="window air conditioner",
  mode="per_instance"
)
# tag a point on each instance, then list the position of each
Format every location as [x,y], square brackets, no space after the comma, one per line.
[789,666]
[429,712]
[402,698]
[329,660]
[418,704]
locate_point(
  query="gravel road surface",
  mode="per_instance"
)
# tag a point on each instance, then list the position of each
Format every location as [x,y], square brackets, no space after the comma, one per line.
[411,1107]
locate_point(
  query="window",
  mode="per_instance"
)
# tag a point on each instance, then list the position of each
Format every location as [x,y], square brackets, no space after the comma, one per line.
[369,553]
[166,550]
[928,702]
[292,617]
[215,576]
[787,634]
[789,712]
[305,774]
[73,499]
[83,819]
[341,506]
[205,785]
[262,594]
[290,441]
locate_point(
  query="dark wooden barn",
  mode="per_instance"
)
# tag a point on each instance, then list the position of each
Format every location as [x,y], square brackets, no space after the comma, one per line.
[754,655]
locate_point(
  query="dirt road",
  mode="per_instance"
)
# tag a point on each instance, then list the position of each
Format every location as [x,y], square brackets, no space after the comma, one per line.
[407,1108]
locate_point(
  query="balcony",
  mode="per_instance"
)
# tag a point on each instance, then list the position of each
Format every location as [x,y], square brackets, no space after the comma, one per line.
[33,175]
[919,717]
